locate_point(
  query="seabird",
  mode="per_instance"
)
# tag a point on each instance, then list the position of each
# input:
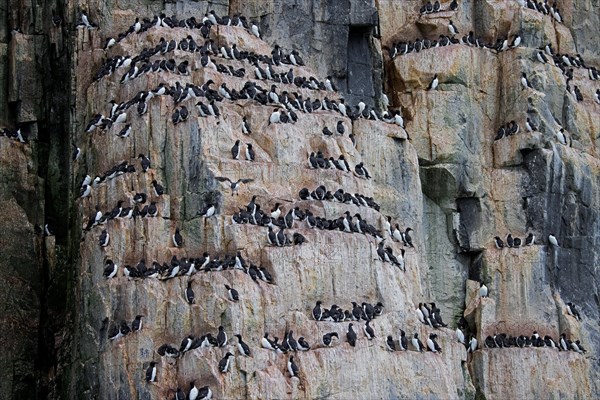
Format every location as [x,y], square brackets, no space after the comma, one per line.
[151,372]
[292,367]
[472,344]
[136,324]
[207,211]
[417,344]
[552,240]
[572,310]
[221,337]
[529,240]
[246,127]
[158,189]
[104,239]
[110,269]
[317,311]
[250,154]
[483,290]
[369,333]
[561,136]
[499,243]
[233,294]
[234,185]
[235,150]
[328,338]
[189,293]
[145,162]
[430,344]
[389,344]
[254,30]
[403,341]
[509,240]
[177,238]
[434,83]
[243,348]
[524,81]
[302,344]
[76,153]
[224,363]
[266,343]
[460,336]
[85,191]
[452,29]
[530,126]
[351,336]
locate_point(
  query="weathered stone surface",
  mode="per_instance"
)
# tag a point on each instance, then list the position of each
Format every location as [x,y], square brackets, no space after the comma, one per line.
[444,175]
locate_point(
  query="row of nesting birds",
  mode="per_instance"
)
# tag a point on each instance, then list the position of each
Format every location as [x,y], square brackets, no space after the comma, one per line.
[188,267]
[208,20]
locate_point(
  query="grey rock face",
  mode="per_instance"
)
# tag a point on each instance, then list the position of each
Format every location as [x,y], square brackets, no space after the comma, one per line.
[451,182]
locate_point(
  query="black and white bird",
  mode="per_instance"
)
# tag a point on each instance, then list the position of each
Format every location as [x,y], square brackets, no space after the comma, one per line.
[235,150]
[369,333]
[524,81]
[225,362]
[389,344]
[151,372]
[234,186]
[85,191]
[110,269]
[243,348]
[232,293]
[145,162]
[104,238]
[317,311]
[460,336]
[472,345]
[328,338]
[452,29]
[159,190]
[292,367]
[561,136]
[250,154]
[193,394]
[205,393]
[221,337]
[572,311]
[417,344]
[403,341]
[434,83]
[189,293]
[483,290]
[136,324]
[430,345]
[177,238]
[207,211]
[351,336]
[499,243]
[552,240]
[530,240]
[303,344]
[246,130]
[76,153]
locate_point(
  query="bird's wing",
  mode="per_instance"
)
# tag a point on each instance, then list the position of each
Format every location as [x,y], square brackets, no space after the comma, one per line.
[246,180]
[222,179]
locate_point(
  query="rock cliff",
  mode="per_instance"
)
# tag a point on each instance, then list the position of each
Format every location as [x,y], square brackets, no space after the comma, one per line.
[443,174]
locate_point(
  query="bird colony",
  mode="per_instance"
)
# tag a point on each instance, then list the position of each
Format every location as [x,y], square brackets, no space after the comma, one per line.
[240,235]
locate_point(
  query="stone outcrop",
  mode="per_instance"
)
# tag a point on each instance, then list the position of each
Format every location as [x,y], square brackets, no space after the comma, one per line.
[445,176]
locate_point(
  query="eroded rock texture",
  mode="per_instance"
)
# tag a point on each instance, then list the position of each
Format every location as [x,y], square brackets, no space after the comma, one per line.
[445,176]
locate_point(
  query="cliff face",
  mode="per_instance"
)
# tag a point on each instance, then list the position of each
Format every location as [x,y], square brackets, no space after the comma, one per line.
[444,175]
